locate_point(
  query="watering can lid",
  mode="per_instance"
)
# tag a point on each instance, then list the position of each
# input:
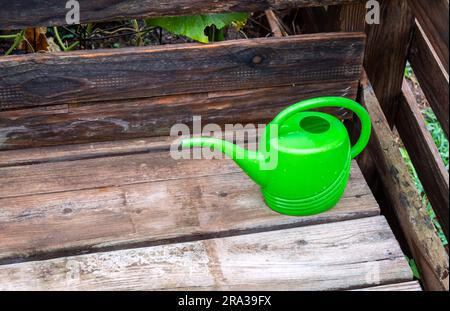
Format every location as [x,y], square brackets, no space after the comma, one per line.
[305,131]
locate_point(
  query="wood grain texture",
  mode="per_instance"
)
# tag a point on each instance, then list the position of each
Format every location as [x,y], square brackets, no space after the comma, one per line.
[424,155]
[413,286]
[345,17]
[274,23]
[82,123]
[433,16]
[117,148]
[418,229]
[82,151]
[53,12]
[127,193]
[386,53]
[147,213]
[350,17]
[333,256]
[431,75]
[131,73]
[102,172]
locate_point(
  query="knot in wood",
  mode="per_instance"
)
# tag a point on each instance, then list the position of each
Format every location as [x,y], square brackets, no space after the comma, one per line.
[257,59]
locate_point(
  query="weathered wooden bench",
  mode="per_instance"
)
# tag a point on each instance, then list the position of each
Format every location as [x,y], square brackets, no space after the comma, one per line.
[90,198]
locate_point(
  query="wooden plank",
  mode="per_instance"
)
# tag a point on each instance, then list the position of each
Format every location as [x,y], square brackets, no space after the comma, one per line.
[82,151]
[105,218]
[115,148]
[413,286]
[426,247]
[83,123]
[431,75]
[387,48]
[333,256]
[424,155]
[104,172]
[29,13]
[131,73]
[433,16]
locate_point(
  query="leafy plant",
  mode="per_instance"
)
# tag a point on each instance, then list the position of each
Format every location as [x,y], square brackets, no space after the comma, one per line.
[437,132]
[194,26]
[408,71]
[18,38]
[413,266]
[64,46]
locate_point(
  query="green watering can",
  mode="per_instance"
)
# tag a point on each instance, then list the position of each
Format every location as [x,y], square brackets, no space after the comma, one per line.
[304,157]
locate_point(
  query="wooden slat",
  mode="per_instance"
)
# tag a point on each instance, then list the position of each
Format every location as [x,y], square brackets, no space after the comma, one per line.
[22,14]
[426,247]
[431,75]
[433,16]
[82,151]
[109,171]
[102,172]
[139,198]
[70,222]
[341,255]
[386,53]
[424,155]
[115,148]
[413,286]
[43,79]
[81,123]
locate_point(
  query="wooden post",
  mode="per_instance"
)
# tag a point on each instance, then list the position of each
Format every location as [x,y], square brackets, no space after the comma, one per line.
[386,53]
[350,17]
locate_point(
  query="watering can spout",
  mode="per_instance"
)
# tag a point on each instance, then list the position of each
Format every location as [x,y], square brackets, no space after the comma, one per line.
[249,161]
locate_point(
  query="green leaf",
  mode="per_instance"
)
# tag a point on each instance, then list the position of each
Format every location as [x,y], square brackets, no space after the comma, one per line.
[413,266]
[194,26]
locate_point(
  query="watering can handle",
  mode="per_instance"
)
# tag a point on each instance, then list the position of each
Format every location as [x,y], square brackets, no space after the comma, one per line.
[321,102]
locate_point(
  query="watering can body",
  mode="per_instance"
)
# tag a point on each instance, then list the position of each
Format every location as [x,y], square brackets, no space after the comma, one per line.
[304,157]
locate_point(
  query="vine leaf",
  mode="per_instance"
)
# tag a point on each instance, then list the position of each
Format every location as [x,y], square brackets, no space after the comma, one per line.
[194,26]
[36,40]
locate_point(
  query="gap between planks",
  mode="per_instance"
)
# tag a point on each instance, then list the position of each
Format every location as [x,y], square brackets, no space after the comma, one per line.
[27,14]
[336,256]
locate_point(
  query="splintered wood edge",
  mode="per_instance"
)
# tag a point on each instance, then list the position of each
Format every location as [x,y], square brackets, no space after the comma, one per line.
[413,286]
